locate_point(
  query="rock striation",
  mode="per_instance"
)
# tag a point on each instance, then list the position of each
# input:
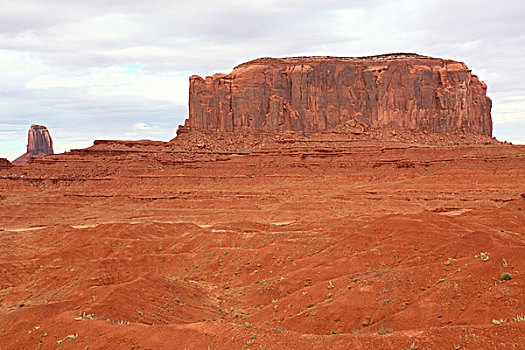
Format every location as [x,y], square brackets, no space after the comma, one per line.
[315,94]
[39,141]
[5,164]
[39,144]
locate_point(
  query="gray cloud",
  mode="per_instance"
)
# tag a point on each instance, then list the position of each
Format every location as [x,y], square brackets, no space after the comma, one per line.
[77,43]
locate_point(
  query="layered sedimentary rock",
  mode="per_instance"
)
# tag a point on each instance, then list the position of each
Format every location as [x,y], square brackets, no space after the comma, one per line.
[312,94]
[39,144]
[39,141]
[4,163]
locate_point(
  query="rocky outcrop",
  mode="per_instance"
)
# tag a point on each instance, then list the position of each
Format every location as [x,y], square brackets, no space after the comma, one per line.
[39,144]
[5,164]
[39,141]
[312,94]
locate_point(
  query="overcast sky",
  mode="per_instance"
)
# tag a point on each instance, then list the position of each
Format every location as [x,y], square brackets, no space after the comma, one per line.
[117,69]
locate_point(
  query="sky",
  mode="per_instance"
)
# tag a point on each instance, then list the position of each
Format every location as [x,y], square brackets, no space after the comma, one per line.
[117,69]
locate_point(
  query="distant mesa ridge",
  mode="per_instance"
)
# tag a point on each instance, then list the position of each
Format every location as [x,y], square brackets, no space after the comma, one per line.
[39,144]
[5,164]
[401,91]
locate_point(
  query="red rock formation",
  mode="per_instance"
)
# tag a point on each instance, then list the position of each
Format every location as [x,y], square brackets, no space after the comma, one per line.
[310,94]
[39,144]
[39,141]
[4,163]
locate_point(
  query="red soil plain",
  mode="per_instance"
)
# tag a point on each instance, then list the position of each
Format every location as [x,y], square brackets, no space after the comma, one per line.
[374,239]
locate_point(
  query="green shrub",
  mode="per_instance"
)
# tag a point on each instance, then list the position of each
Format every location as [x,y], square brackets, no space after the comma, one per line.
[505,276]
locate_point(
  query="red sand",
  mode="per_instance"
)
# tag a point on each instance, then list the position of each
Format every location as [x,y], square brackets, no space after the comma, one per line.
[300,245]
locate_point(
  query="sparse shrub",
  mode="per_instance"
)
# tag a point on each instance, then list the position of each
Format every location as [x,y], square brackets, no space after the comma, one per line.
[505,276]
[413,346]
[518,318]
[449,261]
[71,337]
[384,331]
[499,321]
[484,256]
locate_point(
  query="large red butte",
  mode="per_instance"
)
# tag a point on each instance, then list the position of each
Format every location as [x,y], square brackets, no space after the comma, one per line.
[311,94]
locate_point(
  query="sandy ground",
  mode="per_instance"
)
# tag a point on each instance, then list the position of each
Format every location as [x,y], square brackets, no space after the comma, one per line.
[361,246]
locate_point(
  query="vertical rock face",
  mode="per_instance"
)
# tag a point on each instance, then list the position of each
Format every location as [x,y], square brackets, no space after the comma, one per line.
[39,144]
[311,94]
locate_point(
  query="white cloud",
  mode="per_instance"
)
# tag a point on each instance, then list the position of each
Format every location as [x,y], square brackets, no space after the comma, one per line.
[143,126]
[119,82]
[17,66]
[98,69]
[50,81]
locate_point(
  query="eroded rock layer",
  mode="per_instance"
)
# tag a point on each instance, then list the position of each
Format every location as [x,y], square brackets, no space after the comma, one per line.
[271,242]
[4,163]
[311,94]
[39,144]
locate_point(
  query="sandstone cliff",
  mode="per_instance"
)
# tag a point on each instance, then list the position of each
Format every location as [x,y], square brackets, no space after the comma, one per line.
[39,141]
[39,144]
[311,94]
